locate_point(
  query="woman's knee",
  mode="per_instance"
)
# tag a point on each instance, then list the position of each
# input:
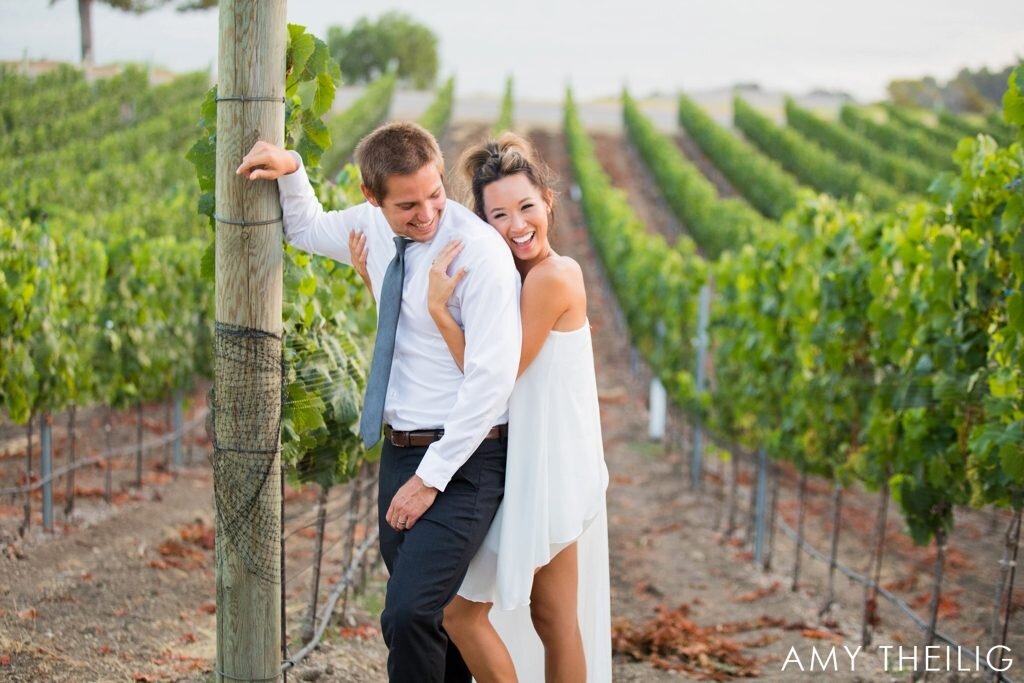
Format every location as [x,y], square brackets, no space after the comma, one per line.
[462,617]
[552,621]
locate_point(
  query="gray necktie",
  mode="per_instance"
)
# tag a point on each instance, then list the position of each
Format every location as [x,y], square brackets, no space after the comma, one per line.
[384,348]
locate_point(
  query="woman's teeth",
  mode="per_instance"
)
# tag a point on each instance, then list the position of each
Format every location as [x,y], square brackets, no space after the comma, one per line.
[524,239]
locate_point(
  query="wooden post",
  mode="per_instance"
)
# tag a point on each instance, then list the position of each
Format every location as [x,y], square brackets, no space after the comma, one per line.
[251,64]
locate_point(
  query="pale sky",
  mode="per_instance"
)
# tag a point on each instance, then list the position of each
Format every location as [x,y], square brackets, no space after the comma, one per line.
[597,45]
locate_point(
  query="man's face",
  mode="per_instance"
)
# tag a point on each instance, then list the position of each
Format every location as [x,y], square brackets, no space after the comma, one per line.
[414,203]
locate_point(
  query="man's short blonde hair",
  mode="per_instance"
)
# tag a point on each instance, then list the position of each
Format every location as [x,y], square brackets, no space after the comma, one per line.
[396,148]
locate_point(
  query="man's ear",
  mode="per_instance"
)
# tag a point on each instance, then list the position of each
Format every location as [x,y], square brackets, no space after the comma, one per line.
[369,195]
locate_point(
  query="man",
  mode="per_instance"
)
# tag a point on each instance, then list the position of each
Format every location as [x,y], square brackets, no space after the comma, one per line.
[443,462]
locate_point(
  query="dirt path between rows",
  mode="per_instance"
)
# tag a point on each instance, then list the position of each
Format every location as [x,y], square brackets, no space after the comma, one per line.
[625,165]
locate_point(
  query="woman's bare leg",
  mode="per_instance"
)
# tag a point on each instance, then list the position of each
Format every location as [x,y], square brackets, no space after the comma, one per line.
[470,628]
[553,609]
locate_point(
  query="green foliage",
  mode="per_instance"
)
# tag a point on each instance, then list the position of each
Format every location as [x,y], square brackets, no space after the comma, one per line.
[972,126]
[395,42]
[657,285]
[715,225]
[506,117]
[1013,103]
[903,173]
[351,125]
[887,346]
[436,117]
[813,165]
[149,319]
[29,295]
[96,227]
[769,188]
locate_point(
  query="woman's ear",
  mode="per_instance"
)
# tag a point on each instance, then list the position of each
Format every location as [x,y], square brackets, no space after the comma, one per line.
[549,199]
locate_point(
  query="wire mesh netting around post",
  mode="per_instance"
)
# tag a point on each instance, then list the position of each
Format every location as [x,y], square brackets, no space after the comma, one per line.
[246,471]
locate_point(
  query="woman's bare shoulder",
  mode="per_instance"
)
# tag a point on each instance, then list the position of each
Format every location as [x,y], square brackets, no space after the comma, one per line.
[557,271]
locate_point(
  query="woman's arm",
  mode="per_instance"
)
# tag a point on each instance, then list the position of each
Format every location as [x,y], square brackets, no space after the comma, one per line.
[548,293]
[439,291]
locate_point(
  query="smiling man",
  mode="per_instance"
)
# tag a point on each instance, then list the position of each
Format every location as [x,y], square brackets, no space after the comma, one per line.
[442,469]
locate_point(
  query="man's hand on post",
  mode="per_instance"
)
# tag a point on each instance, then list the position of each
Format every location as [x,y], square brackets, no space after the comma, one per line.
[409,504]
[266,162]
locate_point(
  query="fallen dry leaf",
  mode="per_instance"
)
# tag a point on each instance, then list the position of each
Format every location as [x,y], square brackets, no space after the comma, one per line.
[757,594]
[818,634]
[363,631]
[30,613]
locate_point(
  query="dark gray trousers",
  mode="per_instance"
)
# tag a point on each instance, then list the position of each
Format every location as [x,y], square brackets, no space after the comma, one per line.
[428,562]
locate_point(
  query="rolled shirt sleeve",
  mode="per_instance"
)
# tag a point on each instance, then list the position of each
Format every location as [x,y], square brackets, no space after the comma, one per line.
[308,227]
[490,317]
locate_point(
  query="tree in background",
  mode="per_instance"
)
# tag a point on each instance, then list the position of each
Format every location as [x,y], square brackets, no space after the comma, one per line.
[968,91]
[368,49]
[135,6]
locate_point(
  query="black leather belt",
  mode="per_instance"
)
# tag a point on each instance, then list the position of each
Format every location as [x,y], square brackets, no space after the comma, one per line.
[425,437]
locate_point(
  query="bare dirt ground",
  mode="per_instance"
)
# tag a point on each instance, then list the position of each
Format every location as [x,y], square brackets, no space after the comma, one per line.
[689,148]
[624,164]
[129,595]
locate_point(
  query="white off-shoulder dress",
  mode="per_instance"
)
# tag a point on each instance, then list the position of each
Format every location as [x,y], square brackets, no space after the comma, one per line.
[555,485]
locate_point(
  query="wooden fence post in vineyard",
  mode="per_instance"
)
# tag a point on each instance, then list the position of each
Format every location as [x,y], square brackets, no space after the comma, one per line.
[933,607]
[837,519]
[251,73]
[773,511]
[874,568]
[801,505]
[697,454]
[46,467]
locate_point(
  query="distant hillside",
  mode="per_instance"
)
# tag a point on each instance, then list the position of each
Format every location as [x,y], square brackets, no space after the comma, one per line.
[968,91]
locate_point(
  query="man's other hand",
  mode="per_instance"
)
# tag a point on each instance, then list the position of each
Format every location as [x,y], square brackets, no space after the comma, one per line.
[409,504]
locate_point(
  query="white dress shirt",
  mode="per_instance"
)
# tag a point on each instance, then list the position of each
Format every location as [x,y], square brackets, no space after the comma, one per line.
[426,389]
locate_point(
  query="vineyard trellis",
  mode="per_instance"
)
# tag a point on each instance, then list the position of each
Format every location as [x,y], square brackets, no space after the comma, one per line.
[802,374]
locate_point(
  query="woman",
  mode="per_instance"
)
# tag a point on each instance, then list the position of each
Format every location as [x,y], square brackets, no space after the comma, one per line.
[535,602]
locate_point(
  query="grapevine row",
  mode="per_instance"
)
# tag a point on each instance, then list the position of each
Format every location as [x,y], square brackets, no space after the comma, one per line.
[757,177]
[813,165]
[439,113]
[895,138]
[349,127]
[714,224]
[903,173]
[656,284]
[506,116]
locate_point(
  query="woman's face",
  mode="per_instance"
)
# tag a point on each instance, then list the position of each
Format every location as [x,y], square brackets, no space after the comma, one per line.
[516,209]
